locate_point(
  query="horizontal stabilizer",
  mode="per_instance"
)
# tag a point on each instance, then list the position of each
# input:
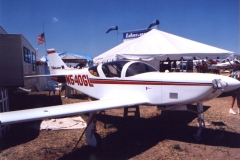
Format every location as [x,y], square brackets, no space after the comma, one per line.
[44,75]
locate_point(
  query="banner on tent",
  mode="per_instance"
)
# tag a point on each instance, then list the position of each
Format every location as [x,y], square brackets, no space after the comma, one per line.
[134,34]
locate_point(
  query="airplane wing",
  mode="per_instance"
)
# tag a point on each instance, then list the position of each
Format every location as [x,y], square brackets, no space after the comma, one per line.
[66,110]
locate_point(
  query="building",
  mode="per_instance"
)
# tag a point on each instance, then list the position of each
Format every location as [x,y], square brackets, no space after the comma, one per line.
[17,59]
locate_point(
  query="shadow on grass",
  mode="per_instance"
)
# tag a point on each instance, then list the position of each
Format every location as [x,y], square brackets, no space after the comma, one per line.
[134,136]
[21,132]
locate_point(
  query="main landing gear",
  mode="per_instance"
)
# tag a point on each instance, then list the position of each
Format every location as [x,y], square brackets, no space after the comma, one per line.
[201,122]
[92,137]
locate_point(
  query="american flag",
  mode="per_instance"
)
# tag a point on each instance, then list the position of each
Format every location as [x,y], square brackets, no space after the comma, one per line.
[41,38]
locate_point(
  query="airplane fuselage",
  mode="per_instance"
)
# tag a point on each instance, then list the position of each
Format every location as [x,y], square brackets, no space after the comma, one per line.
[158,88]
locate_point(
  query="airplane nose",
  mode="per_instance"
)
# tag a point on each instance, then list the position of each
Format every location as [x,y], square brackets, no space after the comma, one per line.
[232,83]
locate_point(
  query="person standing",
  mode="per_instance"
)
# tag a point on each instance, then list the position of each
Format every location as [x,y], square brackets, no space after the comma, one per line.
[211,62]
[198,66]
[203,67]
[236,93]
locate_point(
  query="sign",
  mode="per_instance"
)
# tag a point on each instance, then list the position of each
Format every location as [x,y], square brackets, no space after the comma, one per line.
[134,34]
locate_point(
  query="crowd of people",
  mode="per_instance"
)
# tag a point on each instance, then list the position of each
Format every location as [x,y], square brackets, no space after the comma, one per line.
[202,66]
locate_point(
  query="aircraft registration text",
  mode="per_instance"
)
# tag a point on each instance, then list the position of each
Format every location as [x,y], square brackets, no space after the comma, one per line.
[81,80]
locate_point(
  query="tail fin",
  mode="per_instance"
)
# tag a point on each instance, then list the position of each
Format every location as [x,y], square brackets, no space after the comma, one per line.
[55,62]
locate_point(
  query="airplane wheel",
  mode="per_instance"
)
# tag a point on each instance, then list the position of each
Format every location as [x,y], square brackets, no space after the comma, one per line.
[198,138]
[98,139]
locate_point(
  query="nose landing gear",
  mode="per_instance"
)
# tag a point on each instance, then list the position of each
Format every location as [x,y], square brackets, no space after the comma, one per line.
[201,122]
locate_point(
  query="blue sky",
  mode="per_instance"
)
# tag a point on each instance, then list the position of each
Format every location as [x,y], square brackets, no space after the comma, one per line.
[81,25]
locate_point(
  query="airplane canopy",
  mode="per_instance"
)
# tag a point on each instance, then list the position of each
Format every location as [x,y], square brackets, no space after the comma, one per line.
[158,45]
[116,69]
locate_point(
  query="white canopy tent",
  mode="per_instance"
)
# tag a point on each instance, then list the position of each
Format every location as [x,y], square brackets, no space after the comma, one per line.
[157,45]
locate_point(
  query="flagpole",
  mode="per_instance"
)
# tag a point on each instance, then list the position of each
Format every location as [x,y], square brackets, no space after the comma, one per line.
[45,39]
[117,37]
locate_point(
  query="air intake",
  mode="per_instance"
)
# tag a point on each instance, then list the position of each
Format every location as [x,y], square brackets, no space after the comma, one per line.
[173,95]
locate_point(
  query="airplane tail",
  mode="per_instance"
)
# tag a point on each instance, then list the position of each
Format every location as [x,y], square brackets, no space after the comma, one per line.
[55,62]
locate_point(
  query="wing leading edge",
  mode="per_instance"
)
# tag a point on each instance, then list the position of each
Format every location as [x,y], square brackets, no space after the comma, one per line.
[66,110]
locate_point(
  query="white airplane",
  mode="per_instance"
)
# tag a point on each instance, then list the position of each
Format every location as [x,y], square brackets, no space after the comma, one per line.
[224,65]
[126,83]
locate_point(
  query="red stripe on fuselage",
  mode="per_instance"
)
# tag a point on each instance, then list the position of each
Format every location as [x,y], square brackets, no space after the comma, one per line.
[132,82]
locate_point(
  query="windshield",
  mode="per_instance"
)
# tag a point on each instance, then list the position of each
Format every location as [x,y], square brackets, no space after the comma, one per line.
[93,71]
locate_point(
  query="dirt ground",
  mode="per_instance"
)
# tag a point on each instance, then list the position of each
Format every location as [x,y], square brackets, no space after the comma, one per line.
[155,135]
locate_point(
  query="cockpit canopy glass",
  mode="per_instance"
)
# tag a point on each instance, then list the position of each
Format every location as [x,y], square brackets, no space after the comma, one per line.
[113,69]
[138,68]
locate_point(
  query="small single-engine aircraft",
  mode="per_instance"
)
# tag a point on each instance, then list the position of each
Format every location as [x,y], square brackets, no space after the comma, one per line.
[224,65]
[126,83]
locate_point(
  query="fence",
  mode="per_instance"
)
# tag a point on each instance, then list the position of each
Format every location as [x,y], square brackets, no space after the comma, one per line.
[4,107]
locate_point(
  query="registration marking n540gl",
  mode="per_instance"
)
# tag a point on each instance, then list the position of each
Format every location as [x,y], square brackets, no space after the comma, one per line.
[81,80]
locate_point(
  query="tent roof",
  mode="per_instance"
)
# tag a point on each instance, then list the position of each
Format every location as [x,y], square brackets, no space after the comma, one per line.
[72,55]
[160,45]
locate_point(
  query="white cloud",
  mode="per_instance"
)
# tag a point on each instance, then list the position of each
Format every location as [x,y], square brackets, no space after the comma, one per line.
[54,19]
